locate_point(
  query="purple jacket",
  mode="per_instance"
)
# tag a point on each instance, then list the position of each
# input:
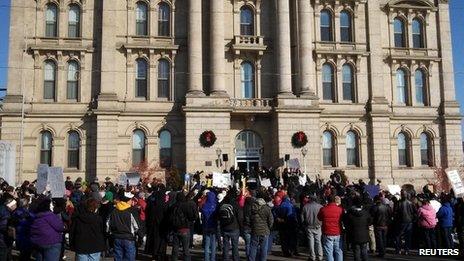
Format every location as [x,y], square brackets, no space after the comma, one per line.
[47,229]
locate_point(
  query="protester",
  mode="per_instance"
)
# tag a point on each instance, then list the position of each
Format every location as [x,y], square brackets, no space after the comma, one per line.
[405,215]
[381,217]
[210,225]
[22,220]
[229,220]
[312,226]
[445,221]
[331,216]
[287,224]
[261,221]
[6,239]
[157,223]
[357,221]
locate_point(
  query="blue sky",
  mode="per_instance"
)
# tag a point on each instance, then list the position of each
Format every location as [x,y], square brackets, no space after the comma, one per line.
[457,22]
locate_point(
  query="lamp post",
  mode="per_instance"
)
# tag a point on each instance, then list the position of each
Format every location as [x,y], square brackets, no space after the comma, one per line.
[304,152]
[219,153]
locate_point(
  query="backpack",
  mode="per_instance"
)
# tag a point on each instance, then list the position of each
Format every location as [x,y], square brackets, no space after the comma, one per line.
[226,214]
[178,219]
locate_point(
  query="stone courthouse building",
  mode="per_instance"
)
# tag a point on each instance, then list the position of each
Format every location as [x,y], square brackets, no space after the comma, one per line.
[97,86]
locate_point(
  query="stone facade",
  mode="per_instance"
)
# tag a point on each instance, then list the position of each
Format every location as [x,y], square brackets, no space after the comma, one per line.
[206,86]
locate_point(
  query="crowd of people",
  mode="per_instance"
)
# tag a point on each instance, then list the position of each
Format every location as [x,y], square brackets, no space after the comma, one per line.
[326,219]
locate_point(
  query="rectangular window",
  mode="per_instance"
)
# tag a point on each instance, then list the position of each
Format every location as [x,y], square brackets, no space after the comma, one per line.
[73,159]
[49,90]
[50,29]
[425,157]
[246,29]
[45,157]
[73,30]
[351,157]
[71,92]
[327,91]
[163,88]
[347,92]
[141,88]
[402,157]
[163,28]
[417,41]
[399,40]
[345,34]
[165,158]
[137,156]
[141,28]
[327,157]
[326,34]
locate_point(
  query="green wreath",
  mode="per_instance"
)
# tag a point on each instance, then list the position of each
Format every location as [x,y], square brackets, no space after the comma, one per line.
[207,139]
[299,139]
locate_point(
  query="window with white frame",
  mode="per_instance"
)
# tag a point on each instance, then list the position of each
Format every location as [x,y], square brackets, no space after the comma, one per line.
[138,147]
[72,89]
[73,149]
[346,31]
[399,32]
[421,87]
[247,79]
[348,83]
[165,141]
[74,21]
[141,19]
[46,144]
[402,92]
[247,24]
[49,80]
[141,78]
[404,150]
[164,19]
[326,26]
[426,150]
[51,20]
[328,84]
[328,149]
[417,33]
[164,76]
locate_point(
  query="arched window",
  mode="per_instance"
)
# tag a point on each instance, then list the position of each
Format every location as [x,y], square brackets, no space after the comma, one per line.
[46,144]
[400,33]
[138,147]
[73,81]
[141,78]
[51,21]
[417,34]
[352,149]
[421,87]
[348,83]
[328,149]
[163,78]
[248,82]
[404,151]
[165,149]
[164,18]
[74,19]
[73,149]
[247,24]
[402,95]
[141,19]
[326,26]
[49,80]
[328,86]
[346,33]
[426,150]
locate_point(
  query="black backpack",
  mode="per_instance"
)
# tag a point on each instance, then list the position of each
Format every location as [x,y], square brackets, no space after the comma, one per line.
[226,214]
[178,219]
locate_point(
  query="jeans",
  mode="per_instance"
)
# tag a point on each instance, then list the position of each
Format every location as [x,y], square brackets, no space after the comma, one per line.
[314,243]
[230,238]
[270,240]
[430,238]
[381,239]
[360,252]
[332,248]
[247,237]
[210,246]
[372,242]
[258,243]
[88,257]
[48,253]
[181,237]
[124,250]
[447,236]
[405,230]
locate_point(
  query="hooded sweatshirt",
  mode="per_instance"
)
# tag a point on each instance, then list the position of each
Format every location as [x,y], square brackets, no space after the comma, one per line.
[427,216]
[261,218]
[445,215]
[87,233]
[47,229]
[208,213]
[357,221]
[123,222]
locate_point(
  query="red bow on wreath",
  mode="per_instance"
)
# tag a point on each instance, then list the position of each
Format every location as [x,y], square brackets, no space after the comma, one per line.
[301,136]
[208,137]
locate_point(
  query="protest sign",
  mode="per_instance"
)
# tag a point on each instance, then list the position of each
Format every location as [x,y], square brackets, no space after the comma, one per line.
[373,190]
[302,179]
[42,177]
[394,189]
[293,164]
[122,179]
[8,162]
[456,182]
[266,183]
[221,180]
[56,182]
[133,178]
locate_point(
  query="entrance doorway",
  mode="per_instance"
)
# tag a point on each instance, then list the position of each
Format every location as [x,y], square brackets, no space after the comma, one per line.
[248,150]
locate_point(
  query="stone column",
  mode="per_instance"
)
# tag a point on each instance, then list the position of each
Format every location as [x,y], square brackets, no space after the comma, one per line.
[284,64]
[305,11]
[195,63]
[217,48]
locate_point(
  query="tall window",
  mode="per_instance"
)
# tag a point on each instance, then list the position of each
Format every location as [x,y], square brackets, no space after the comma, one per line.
[417,34]
[138,147]
[73,80]
[328,92]
[141,78]
[421,87]
[346,32]
[352,149]
[348,86]
[73,149]
[400,33]
[46,148]
[248,82]
[247,25]
[404,157]
[402,87]
[328,148]
[164,17]
[141,19]
[74,21]
[426,150]
[51,21]
[49,80]
[326,26]
[163,78]
[165,149]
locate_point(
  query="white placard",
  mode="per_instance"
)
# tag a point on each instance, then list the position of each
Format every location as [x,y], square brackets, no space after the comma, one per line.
[456,182]
[56,182]
[394,189]
[133,177]
[294,164]
[221,180]
[266,183]
[42,177]
[8,162]
[302,180]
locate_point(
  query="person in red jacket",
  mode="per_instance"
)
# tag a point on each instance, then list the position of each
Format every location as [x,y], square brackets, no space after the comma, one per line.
[331,216]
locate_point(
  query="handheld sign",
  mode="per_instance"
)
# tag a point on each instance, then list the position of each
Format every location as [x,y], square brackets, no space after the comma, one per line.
[394,189]
[456,182]
[221,180]
[42,177]
[133,177]
[56,182]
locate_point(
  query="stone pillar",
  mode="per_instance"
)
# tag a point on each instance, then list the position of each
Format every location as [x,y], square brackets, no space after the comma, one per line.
[217,48]
[195,63]
[305,12]
[284,64]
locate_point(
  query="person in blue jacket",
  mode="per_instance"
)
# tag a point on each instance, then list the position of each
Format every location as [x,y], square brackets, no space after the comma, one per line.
[210,224]
[445,221]
[287,224]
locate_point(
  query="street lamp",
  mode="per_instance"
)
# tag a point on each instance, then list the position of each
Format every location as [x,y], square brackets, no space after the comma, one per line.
[219,153]
[304,152]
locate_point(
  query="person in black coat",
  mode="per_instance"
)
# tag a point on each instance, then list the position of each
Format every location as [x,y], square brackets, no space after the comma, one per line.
[229,220]
[157,223]
[357,221]
[87,232]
